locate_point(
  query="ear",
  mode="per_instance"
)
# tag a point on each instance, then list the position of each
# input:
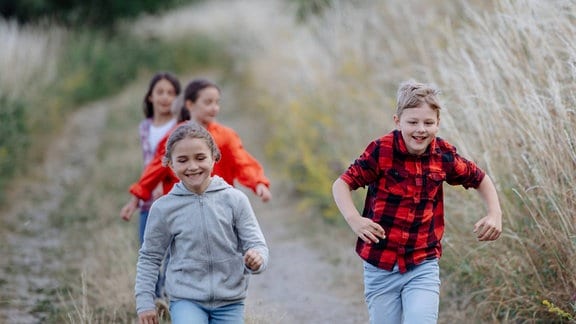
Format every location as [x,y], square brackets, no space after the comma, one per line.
[397,121]
[171,166]
[189,104]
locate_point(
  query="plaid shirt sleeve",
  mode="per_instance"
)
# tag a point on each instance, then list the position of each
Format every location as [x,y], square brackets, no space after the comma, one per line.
[365,169]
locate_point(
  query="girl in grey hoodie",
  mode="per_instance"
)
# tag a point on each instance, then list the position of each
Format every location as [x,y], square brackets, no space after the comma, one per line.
[214,239]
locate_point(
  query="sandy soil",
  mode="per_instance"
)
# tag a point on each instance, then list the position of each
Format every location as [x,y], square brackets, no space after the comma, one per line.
[312,278]
[302,285]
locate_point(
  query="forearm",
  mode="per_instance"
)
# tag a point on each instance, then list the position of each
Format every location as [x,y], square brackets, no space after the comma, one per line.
[151,177]
[343,199]
[487,191]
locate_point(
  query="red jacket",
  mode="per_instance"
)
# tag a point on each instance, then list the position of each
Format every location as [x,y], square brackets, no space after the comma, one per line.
[235,164]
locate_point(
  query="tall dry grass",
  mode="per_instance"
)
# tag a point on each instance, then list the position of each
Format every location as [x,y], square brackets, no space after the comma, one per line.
[507,72]
[28,58]
[327,87]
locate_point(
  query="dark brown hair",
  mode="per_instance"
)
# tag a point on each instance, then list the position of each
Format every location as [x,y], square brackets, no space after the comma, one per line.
[147,106]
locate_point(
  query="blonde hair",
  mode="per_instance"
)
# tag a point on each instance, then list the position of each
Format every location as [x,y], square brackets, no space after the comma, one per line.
[190,129]
[412,94]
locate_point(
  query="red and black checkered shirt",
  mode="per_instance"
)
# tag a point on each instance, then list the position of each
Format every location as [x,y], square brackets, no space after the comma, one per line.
[405,197]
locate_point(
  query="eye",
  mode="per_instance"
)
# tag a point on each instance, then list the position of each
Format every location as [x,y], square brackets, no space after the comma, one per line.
[430,123]
[412,122]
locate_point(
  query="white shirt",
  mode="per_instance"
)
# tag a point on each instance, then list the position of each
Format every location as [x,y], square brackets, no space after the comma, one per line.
[157,132]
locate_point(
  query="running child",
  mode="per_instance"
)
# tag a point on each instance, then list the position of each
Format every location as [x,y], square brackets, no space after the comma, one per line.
[214,238]
[401,227]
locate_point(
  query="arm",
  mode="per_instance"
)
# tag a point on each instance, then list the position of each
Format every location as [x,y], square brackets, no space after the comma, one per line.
[153,174]
[151,177]
[364,228]
[250,235]
[248,171]
[157,239]
[489,227]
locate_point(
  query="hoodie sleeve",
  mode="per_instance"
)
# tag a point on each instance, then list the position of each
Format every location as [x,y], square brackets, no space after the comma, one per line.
[249,233]
[156,241]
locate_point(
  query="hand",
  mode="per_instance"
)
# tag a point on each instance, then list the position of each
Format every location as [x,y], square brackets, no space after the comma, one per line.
[148,317]
[488,228]
[129,209]
[263,192]
[367,230]
[253,260]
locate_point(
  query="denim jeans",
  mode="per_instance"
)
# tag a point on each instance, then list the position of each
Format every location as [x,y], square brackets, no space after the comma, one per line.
[409,298]
[142,225]
[183,311]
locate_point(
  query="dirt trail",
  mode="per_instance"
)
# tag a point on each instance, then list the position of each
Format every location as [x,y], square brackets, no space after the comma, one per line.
[302,285]
[32,251]
[305,283]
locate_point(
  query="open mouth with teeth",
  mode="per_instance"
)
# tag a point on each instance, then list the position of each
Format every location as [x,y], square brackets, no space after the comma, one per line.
[420,138]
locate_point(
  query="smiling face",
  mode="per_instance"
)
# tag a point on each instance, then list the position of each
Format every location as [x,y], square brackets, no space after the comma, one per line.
[192,161]
[206,107]
[162,96]
[418,126]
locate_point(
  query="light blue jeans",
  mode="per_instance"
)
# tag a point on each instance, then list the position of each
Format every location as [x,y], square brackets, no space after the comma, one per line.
[409,298]
[184,311]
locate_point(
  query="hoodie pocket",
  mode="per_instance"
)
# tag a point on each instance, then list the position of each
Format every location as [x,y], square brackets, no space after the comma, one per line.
[230,277]
[192,275]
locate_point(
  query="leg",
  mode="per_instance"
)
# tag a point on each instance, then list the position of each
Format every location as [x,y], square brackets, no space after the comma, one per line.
[421,295]
[382,290]
[229,314]
[183,311]
[142,227]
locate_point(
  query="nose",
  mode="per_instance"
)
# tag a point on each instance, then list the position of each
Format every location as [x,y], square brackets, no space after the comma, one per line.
[191,166]
[420,127]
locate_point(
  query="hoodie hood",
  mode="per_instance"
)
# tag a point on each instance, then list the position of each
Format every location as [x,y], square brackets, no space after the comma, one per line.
[216,184]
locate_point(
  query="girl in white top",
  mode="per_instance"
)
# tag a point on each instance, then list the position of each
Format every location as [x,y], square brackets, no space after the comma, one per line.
[158,120]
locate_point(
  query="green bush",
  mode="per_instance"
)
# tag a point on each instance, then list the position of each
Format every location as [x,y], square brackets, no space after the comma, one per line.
[93,65]
[14,140]
[102,13]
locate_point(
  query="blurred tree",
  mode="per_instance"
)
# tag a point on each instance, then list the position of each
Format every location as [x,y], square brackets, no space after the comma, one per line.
[307,8]
[92,13]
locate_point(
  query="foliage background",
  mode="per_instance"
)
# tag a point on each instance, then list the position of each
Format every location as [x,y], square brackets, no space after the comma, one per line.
[322,76]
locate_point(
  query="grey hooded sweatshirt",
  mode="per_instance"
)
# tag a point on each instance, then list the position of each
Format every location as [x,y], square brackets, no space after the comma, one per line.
[208,235]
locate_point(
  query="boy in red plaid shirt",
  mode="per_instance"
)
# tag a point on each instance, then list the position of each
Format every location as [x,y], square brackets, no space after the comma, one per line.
[401,227]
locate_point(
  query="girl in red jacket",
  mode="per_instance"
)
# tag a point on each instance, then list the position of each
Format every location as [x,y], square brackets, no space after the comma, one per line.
[202,104]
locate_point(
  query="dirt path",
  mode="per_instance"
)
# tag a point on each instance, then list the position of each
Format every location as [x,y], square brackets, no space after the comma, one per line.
[32,251]
[314,276]
[301,285]
[304,284]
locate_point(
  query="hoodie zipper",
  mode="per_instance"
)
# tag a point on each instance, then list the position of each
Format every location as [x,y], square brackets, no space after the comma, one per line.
[208,249]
